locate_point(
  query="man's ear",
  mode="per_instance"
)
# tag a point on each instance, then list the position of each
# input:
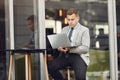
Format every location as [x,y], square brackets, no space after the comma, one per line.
[78,18]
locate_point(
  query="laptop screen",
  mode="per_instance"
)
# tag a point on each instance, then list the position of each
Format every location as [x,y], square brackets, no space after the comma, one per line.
[59,40]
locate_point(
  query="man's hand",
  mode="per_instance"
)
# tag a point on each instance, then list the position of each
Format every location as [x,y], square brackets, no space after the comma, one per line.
[65,50]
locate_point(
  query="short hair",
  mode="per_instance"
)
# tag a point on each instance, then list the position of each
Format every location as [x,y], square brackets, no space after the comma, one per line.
[73,11]
[101,29]
[31,18]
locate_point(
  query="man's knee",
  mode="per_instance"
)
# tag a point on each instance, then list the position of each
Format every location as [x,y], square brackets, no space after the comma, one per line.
[51,68]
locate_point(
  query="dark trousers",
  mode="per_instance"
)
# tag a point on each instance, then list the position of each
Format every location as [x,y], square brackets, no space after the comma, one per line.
[72,60]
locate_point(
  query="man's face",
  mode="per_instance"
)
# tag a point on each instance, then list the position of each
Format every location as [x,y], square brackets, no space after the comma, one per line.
[72,20]
[30,25]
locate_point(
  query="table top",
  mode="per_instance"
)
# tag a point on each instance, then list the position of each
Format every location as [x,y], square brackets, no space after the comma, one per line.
[23,50]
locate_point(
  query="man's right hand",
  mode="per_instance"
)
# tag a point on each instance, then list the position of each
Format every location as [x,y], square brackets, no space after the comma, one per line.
[65,50]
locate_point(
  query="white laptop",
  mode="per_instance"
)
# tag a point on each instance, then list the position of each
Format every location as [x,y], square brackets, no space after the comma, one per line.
[59,40]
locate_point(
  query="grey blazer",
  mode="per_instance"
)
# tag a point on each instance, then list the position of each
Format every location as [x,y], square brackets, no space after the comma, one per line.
[81,39]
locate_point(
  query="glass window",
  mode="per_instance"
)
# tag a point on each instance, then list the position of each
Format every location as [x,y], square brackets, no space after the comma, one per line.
[24,31]
[94,15]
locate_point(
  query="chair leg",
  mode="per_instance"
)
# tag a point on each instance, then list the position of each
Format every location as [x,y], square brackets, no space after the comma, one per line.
[68,73]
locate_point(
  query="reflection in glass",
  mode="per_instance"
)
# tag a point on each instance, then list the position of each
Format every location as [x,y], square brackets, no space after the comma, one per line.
[102,39]
[24,27]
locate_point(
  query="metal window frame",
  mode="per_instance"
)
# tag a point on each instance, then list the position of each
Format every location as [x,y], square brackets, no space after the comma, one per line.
[41,40]
[112,39]
[9,24]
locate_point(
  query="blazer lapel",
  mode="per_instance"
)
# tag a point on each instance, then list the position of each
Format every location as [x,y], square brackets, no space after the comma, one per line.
[76,32]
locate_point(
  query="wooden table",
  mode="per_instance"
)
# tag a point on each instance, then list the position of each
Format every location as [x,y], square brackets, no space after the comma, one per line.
[27,53]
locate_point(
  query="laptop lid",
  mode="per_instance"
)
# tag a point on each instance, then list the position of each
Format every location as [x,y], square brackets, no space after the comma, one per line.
[59,40]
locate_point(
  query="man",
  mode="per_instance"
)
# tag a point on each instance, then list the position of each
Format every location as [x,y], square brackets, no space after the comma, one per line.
[30,25]
[76,57]
[103,40]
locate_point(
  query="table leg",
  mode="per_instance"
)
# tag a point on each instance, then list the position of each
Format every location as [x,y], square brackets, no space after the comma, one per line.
[10,66]
[46,68]
[26,67]
[29,63]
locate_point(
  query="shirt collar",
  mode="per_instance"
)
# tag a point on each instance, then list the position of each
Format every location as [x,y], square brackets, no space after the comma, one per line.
[75,26]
